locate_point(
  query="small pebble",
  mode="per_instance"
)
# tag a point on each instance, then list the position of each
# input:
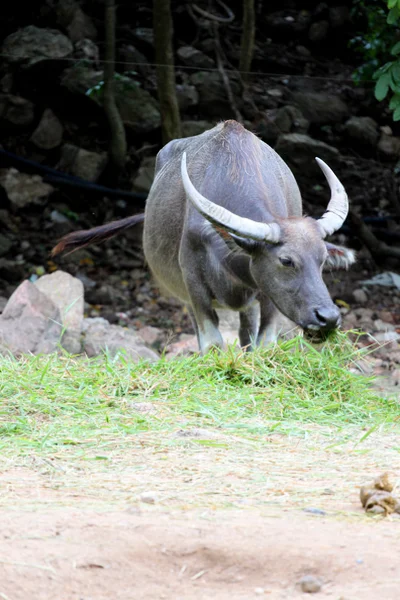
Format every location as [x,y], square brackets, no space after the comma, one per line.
[259,591]
[314,511]
[310,584]
[149,497]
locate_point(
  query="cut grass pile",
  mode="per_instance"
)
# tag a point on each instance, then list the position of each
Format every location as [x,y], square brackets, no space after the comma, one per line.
[51,404]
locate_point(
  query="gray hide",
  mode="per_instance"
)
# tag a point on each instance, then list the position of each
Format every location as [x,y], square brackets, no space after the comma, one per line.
[208,265]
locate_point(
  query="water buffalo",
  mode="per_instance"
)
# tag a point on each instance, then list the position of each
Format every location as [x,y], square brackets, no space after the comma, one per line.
[223,227]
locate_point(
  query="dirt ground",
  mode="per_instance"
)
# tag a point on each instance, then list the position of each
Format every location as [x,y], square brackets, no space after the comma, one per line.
[232,522]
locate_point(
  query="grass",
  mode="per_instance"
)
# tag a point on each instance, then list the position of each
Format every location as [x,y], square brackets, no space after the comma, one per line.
[61,404]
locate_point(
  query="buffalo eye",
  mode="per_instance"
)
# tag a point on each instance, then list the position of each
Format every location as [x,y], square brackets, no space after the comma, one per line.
[287,262]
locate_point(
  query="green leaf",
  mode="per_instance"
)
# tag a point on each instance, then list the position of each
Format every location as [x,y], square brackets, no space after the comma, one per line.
[383,69]
[393,16]
[395,71]
[394,102]
[396,114]
[392,3]
[396,49]
[382,87]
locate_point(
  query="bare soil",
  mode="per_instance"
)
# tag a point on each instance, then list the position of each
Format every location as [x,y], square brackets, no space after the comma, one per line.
[234,522]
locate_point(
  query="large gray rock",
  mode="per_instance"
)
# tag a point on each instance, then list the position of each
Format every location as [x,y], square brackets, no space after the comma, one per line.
[23,189]
[16,111]
[192,57]
[100,337]
[31,44]
[362,131]
[289,119]
[48,134]
[318,31]
[389,147]
[71,17]
[187,96]
[5,244]
[145,175]
[138,109]
[321,108]
[82,163]
[213,100]
[191,128]
[300,150]
[67,293]
[30,322]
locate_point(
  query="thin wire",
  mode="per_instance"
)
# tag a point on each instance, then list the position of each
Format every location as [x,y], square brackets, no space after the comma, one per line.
[187,68]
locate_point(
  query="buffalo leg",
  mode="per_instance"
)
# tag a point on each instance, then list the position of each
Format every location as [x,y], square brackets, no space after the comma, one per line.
[268,331]
[204,317]
[248,326]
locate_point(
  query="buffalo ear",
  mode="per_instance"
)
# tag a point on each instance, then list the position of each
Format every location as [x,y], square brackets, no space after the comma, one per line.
[339,257]
[235,242]
[249,246]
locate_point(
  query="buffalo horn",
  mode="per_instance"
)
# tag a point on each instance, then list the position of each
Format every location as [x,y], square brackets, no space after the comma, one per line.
[338,206]
[254,230]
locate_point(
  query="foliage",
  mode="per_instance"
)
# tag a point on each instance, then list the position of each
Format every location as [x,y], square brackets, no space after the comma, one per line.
[61,404]
[125,82]
[376,45]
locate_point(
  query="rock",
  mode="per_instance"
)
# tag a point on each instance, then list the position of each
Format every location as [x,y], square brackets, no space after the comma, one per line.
[380,325]
[88,51]
[149,497]
[145,175]
[138,109]
[133,58]
[288,23]
[362,131]
[16,111]
[151,335]
[3,303]
[321,108]
[213,100]
[267,130]
[48,134]
[82,163]
[389,147]
[145,36]
[310,584]
[5,244]
[12,270]
[187,96]
[72,18]
[339,16]
[105,294]
[318,31]
[100,337]
[303,51]
[67,293]
[31,45]
[23,189]
[191,57]
[192,128]
[80,78]
[30,322]
[360,296]
[290,119]
[186,345]
[300,150]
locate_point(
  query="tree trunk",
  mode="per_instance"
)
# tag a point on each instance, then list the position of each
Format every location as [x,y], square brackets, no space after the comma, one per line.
[117,148]
[248,36]
[162,24]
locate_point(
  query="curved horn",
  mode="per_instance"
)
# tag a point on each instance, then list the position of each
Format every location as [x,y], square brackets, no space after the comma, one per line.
[338,207]
[254,230]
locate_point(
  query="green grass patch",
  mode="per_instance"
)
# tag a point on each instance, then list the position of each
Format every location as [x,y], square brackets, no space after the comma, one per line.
[54,403]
